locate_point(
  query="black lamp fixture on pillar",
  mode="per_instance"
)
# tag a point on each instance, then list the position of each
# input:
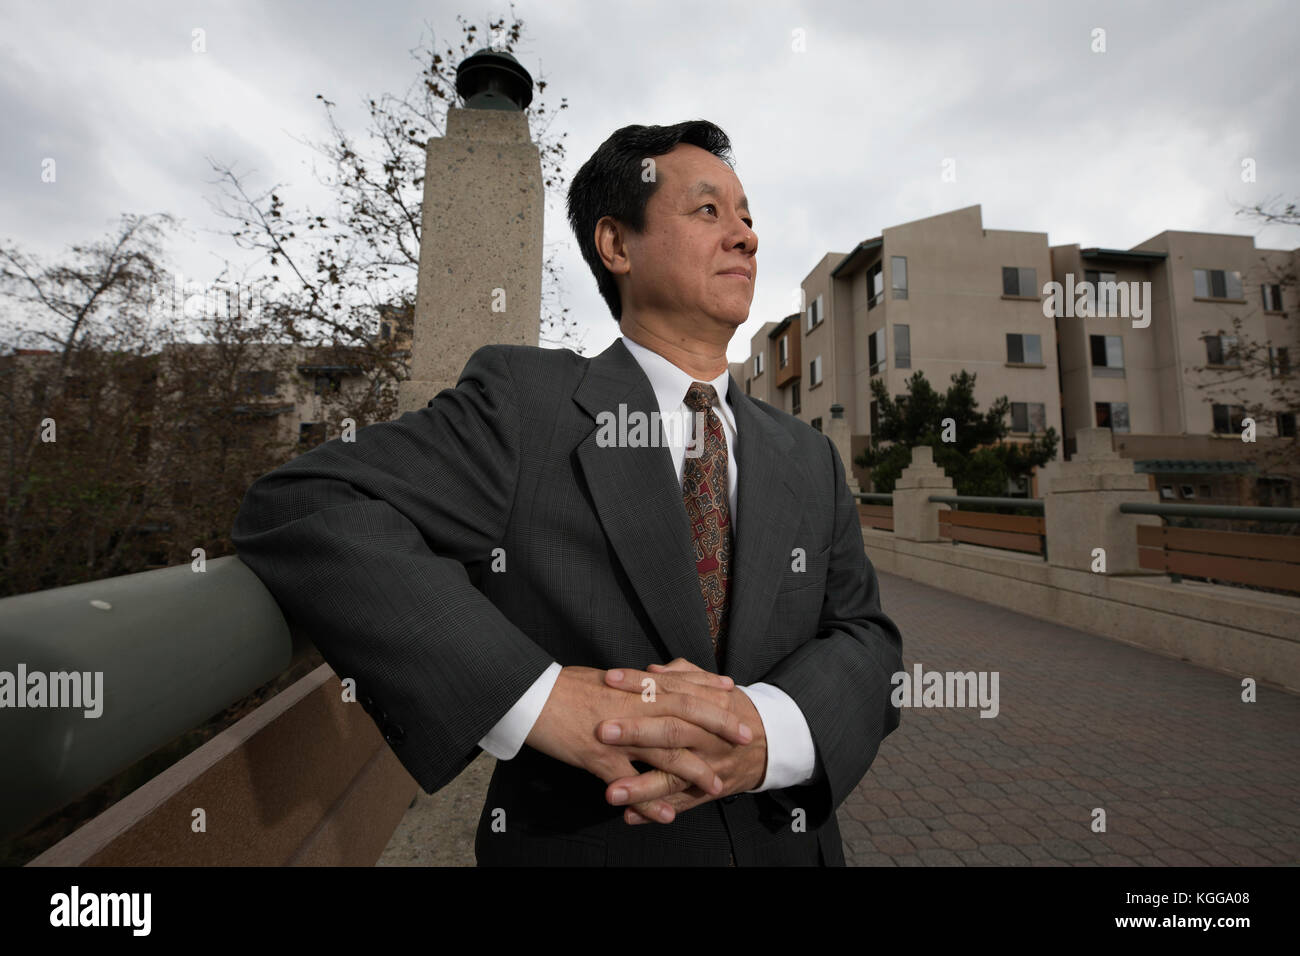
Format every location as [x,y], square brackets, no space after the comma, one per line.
[493,80]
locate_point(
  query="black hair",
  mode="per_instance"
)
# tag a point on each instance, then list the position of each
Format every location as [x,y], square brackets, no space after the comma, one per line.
[610,183]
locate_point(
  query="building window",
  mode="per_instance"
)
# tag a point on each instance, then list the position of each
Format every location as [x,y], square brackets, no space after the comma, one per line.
[1187,491]
[1167,491]
[902,346]
[794,397]
[1105,291]
[1286,425]
[783,351]
[311,433]
[385,330]
[817,423]
[1219,351]
[815,372]
[327,384]
[1028,417]
[258,382]
[815,313]
[1272,295]
[876,351]
[875,285]
[1227,418]
[747,385]
[758,365]
[1019,281]
[874,415]
[1279,361]
[1024,349]
[1216,284]
[1112,415]
[1107,351]
[898,276]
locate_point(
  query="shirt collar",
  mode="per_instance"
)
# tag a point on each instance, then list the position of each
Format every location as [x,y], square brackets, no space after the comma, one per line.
[670,383]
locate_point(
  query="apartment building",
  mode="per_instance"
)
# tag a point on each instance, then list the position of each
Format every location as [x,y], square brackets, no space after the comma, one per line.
[737,370]
[1167,382]
[937,295]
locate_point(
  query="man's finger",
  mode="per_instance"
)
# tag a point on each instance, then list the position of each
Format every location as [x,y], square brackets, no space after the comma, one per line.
[697,677]
[675,769]
[645,792]
[679,803]
[681,665]
[708,709]
[714,716]
[668,731]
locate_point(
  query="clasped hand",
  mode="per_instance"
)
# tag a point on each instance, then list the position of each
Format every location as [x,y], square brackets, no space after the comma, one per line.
[701,734]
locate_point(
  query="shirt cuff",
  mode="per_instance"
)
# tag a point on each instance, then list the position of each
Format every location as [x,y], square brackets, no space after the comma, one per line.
[509,733]
[791,756]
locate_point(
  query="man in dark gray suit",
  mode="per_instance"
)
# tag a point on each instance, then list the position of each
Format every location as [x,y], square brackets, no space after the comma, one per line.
[513,569]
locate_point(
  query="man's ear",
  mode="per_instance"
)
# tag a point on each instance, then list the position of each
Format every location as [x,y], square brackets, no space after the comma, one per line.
[611,246]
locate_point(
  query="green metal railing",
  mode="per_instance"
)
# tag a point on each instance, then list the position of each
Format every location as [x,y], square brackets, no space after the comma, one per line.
[174,647]
[1235,512]
[1032,504]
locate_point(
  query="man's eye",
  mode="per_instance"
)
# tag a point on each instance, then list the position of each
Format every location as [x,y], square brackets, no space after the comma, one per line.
[714,207]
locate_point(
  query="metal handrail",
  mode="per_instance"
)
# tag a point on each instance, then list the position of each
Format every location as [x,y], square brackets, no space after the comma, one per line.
[872,498]
[1239,512]
[1035,504]
[173,647]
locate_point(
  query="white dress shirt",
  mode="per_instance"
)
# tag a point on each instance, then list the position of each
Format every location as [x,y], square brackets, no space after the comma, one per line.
[791,757]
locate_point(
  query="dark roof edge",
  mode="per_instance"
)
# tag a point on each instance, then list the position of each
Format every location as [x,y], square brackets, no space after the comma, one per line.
[1096,252]
[783,325]
[852,258]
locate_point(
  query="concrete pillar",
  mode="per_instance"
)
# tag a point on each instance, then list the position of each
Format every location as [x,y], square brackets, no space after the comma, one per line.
[1082,507]
[915,517]
[838,432]
[480,279]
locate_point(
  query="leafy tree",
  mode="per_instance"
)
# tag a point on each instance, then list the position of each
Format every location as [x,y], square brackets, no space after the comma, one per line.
[977,459]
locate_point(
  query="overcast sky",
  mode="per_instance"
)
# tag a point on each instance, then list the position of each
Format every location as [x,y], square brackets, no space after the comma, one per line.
[832,143]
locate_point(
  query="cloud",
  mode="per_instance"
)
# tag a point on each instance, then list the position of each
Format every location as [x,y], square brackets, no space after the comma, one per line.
[833,144]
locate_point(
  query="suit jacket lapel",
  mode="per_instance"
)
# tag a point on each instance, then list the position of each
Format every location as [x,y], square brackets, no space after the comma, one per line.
[639,503]
[768,506]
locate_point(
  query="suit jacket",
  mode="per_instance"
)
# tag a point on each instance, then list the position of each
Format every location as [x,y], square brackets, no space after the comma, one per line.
[380,551]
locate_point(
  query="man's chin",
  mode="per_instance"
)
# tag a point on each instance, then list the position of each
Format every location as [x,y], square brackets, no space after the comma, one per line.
[733,319]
